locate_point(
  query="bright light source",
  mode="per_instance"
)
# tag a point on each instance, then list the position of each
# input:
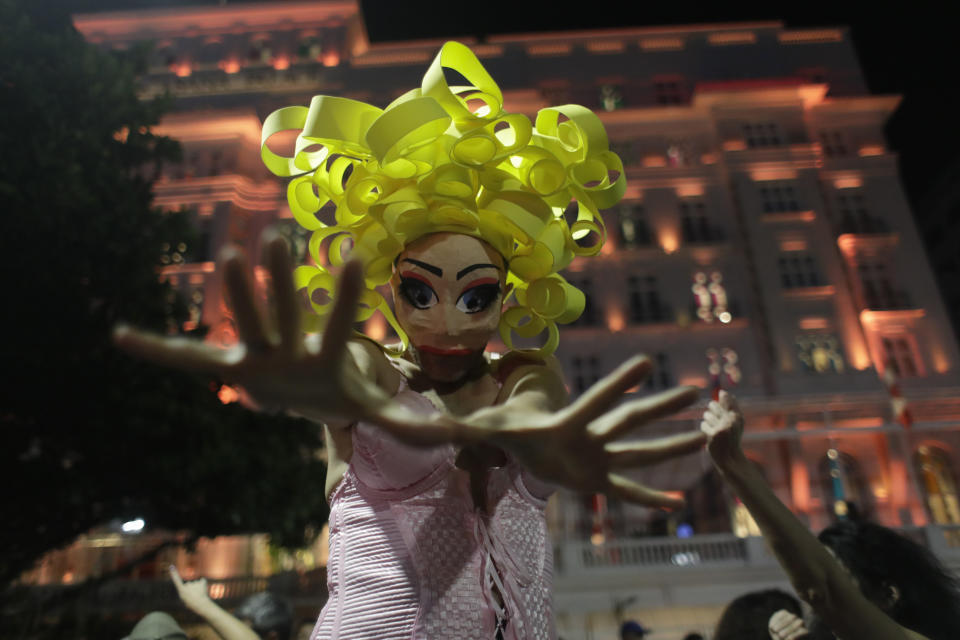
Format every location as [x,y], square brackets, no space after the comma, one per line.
[684,531]
[133,526]
[725,317]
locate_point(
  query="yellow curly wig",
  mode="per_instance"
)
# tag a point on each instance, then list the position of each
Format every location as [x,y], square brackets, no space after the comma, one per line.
[449,158]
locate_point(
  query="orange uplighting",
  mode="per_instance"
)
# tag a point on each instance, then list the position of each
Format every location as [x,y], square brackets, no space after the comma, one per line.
[615,320]
[848,182]
[227,395]
[693,381]
[668,240]
[376,327]
[734,145]
[331,58]
[231,65]
[793,245]
[281,63]
[941,364]
[654,161]
[765,175]
[182,70]
[814,323]
[800,486]
[871,150]
[690,190]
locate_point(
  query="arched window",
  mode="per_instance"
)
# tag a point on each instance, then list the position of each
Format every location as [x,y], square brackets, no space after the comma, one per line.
[844,489]
[939,484]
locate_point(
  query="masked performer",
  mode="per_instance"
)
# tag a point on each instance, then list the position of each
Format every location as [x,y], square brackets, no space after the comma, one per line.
[440,458]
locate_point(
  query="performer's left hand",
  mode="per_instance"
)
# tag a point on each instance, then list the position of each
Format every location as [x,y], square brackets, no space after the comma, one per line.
[576,447]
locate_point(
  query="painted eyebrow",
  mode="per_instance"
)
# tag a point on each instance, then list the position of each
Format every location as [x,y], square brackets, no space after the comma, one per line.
[474,267]
[437,271]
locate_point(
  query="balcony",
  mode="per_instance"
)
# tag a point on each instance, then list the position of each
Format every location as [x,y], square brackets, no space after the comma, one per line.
[583,559]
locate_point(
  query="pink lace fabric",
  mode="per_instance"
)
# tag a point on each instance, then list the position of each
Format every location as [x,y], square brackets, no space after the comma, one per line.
[411,557]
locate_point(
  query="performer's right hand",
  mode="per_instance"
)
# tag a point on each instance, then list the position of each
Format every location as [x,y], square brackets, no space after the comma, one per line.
[273,360]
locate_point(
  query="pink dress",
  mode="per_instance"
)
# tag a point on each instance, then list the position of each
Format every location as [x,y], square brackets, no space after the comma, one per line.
[412,558]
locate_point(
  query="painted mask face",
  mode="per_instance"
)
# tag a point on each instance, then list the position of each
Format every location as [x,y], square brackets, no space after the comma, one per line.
[448,291]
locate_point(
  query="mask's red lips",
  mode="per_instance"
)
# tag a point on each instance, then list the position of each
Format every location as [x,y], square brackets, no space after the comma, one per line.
[444,352]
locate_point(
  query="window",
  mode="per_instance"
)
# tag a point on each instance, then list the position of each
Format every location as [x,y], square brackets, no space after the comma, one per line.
[820,353]
[899,355]
[634,231]
[938,484]
[645,303]
[778,197]
[194,296]
[589,316]
[710,300]
[660,377]
[763,134]
[723,365]
[694,223]
[610,97]
[585,372]
[798,270]
[878,290]
[833,143]
[853,215]
[844,489]
[669,90]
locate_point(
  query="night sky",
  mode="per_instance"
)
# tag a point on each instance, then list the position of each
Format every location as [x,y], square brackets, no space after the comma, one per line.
[910,48]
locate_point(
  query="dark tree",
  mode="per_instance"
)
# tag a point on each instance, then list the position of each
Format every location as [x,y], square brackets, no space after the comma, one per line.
[88,435]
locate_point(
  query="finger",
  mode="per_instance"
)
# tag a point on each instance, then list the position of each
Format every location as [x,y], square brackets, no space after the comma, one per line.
[285,296]
[708,428]
[713,420]
[340,325]
[639,412]
[630,491]
[636,454]
[182,353]
[608,390]
[714,407]
[240,294]
[175,576]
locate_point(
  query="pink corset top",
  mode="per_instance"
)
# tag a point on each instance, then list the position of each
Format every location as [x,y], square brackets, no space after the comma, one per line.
[412,557]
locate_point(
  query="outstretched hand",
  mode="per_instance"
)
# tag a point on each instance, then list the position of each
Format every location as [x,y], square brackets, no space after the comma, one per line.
[576,447]
[273,360]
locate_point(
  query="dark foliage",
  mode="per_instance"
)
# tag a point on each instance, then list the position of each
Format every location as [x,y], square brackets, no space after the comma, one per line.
[88,435]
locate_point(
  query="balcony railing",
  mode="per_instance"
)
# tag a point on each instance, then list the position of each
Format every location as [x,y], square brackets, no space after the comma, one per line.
[577,557]
[714,550]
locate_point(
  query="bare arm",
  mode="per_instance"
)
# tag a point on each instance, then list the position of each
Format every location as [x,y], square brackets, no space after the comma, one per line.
[816,575]
[194,595]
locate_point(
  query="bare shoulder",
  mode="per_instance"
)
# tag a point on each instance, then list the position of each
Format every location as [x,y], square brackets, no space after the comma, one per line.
[372,360]
[521,371]
[523,362]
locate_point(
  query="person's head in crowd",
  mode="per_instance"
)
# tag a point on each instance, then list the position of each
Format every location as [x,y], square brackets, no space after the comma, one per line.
[633,630]
[693,636]
[270,616]
[899,576]
[748,617]
[157,625]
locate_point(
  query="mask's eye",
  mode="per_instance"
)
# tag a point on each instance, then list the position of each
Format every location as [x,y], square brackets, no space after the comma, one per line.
[476,299]
[417,293]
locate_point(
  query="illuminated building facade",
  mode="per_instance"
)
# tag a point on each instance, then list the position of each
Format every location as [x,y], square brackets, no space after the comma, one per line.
[764,246]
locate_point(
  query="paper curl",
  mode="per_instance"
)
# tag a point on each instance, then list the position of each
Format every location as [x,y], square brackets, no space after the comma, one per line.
[449,158]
